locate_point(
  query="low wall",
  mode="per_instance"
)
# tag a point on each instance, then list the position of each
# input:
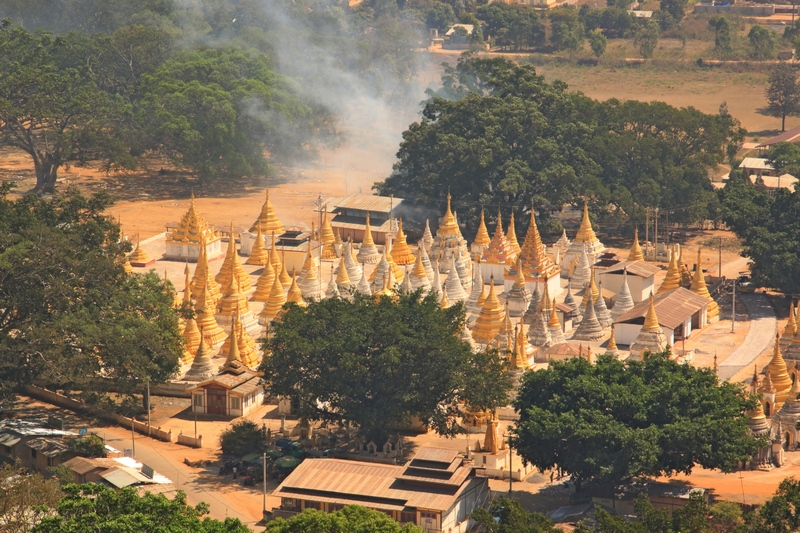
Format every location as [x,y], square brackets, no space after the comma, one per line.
[751,11]
[192,442]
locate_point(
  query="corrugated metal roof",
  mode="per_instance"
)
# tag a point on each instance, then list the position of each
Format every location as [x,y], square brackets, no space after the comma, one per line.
[353,223]
[672,308]
[365,202]
[436,455]
[756,163]
[790,135]
[82,465]
[49,447]
[123,476]
[564,348]
[642,269]
[9,439]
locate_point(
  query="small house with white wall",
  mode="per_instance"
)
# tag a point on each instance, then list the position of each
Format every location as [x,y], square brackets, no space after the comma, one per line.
[679,312]
[641,278]
[234,392]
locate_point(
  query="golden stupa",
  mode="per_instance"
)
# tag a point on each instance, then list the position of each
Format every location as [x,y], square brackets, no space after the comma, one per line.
[758,412]
[203,279]
[274,257]
[310,261]
[779,375]
[401,254]
[268,221]
[511,235]
[499,250]
[213,335]
[586,233]
[444,303]
[368,252]
[264,284]
[519,357]
[126,264]
[295,295]
[190,333]
[449,226]
[283,275]
[612,344]
[192,231]
[139,257]
[258,254]
[233,302]
[327,237]
[277,297]
[232,264]
[636,249]
[672,280]
[592,288]
[244,343]
[536,264]
[553,323]
[342,278]
[482,237]
[490,319]
[699,287]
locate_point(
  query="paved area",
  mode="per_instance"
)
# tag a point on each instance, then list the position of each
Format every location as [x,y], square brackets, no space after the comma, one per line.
[760,335]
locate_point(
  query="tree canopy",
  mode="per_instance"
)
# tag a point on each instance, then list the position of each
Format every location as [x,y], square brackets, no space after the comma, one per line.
[92,507]
[375,363]
[505,515]
[497,133]
[615,420]
[783,93]
[70,314]
[349,519]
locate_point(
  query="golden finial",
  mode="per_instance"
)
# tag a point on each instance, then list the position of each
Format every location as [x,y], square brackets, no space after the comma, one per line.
[295,295]
[699,287]
[636,250]
[651,320]
[612,342]
[284,277]
[511,235]
[482,237]
[553,322]
[778,372]
[401,253]
[586,233]
[444,304]
[449,225]
[673,278]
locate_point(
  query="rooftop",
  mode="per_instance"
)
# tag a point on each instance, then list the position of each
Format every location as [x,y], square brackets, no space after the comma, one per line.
[672,308]
[756,163]
[641,269]
[790,135]
[365,202]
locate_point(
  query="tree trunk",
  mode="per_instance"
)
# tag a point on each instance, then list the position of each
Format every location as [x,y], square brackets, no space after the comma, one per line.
[46,174]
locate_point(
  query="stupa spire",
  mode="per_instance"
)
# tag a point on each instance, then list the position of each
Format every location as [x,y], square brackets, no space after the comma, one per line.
[202,367]
[268,220]
[651,338]
[326,237]
[490,319]
[277,297]
[401,254]
[284,277]
[482,237]
[233,264]
[258,254]
[511,235]
[672,280]
[635,253]
[554,326]
[586,233]
[699,287]
[274,258]
[779,375]
[448,225]
[623,301]
[264,283]
[444,303]
[368,252]
[206,322]
[202,277]
[139,257]
[590,328]
[295,295]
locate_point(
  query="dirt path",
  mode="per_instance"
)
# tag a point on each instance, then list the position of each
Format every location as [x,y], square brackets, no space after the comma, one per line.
[760,335]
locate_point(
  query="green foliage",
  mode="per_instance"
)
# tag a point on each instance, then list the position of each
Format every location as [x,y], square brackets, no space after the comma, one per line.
[349,519]
[89,446]
[722,35]
[70,313]
[507,516]
[440,16]
[566,30]
[409,360]
[243,437]
[615,21]
[498,134]
[725,517]
[92,507]
[613,421]
[785,158]
[25,499]
[512,25]
[779,513]
[646,39]
[597,42]
[762,42]
[783,93]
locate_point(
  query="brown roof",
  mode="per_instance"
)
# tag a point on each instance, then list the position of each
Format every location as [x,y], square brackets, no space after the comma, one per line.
[438,455]
[49,447]
[365,202]
[355,223]
[564,348]
[642,269]
[372,484]
[791,135]
[672,308]
[82,465]
[241,379]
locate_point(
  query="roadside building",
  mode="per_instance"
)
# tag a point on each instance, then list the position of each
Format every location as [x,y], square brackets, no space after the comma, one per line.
[31,442]
[350,216]
[235,391]
[679,312]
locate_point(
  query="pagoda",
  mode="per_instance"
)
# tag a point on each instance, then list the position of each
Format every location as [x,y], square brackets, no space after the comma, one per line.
[490,319]
[673,278]
[248,353]
[482,238]
[363,284]
[562,244]
[283,275]
[699,287]
[580,275]
[499,252]
[651,338]
[590,328]
[190,333]
[202,367]
[611,347]
[277,297]
[538,333]
[584,240]
[511,236]
[426,260]
[203,279]
[455,289]
[310,259]
[264,284]
[268,221]
[418,277]
[385,265]
[448,241]
[518,296]
[473,309]
[190,235]
[401,254]
[212,333]
[350,263]
[758,426]
[233,304]
[343,283]
[786,419]
[295,295]
[789,332]
[463,273]
[327,238]
[635,253]
[332,291]
[623,301]
[274,257]
[233,264]
[600,309]
[534,261]
[779,375]
[505,338]
[436,283]
[427,236]
[139,257]
[554,327]
[368,252]
[258,254]
[310,284]
[444,303]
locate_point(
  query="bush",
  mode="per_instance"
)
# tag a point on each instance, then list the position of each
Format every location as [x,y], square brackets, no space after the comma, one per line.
[242,438]
[89,446]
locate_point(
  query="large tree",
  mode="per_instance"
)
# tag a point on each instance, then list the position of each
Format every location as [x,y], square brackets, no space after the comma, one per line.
[783,92]
[93,507]
[349,519]
[505,515]
[70,315]
[615,420]
[54,112]
[25,498]
[376,362]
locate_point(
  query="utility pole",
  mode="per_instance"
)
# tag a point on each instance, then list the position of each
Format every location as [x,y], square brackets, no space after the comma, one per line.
[264,462]
[510,470]
[733,306]
[148,406]
[655,237]
[720,258]
[646,227]
[194,408]
[133,436]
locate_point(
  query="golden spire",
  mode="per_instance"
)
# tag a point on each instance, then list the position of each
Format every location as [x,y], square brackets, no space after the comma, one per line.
[367,240]
[202,277]
[258,254]
[511,236]
[206,322]
[126,264]
[241,342]
[231,263]
[444,304]
[593,289]
[233,301]
[585,232]
[309,261]
[535,262]
[274,258]
[778,373]
[519,281]
[337,238]
[448,225]
[326,237]
[139,256]
[277,297]
[699,287]
[544,303]
[401,254]
[672,280]
[264,284]
[191,337]
[419,268]
[490,443]
[286,280]
[233,352]
[651,320]
[499,249]
[553,322]
[187,285]
[758,412]
[268,220]
[490,319]
[295,294]
[482,237]
[636,250]
[520,360]
[612,342]
[342,278]
[192,229]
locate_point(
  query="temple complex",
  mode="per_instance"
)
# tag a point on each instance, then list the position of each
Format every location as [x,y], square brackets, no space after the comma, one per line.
[264,284]
[258,254]
[623,302]
[184,240]
[585,241]
[537,267]
[327,238]
[651,338]
[590,328]
[245,345]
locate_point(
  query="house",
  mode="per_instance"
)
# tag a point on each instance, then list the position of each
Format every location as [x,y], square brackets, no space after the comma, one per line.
[679,311]
[791,135]
[437,490]
[641,278]
[118,472]
[756,166]
[771,183]
[458,37]
[350,216]
[29,441]
[234,392]
[87,470]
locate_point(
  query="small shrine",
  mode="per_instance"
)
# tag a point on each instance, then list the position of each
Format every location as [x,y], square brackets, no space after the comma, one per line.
[185,239]
[585,239]
[448,240]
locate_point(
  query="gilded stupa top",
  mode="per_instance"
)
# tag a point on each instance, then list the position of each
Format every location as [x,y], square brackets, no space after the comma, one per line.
[651,320]
[268,220]
[585,232]
[535,262]
[499,249]
[699,287]
[512,235]
[777,371]
[401,253]
[636,249]
[673,278]
[192,228]
[482,237]
[448,225]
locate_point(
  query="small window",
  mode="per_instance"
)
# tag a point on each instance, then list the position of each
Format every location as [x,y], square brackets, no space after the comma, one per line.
[234,403]
[33,453]
[313,505]
[408,516]
[289,504]
[7,450]
[51,461]
[198,400]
